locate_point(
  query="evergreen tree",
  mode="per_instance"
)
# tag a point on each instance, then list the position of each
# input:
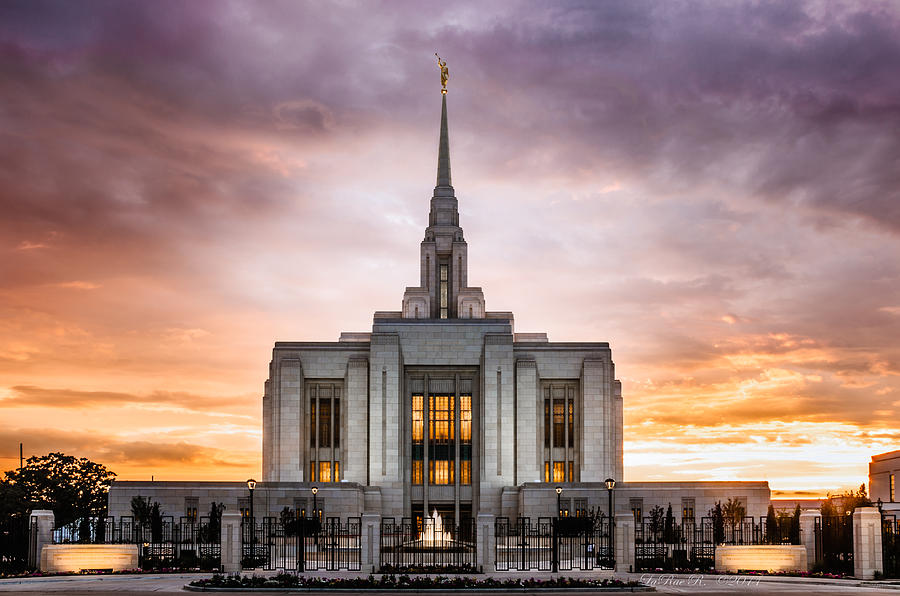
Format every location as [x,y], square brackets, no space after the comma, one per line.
[773,536]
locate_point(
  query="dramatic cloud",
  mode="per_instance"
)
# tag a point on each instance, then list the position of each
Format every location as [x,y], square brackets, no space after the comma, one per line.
[712,187]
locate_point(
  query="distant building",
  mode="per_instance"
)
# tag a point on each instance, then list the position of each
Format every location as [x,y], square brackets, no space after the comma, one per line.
[884,470]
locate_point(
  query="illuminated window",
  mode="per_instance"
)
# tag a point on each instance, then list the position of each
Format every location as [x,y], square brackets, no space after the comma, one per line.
[893,494]
[687,509]
[418,437]
[546,471]
[312,471]
[417,472]
[571,424]
[559,472]
[571,471]
[324,471]
[465,439]
[441,435]
[637,506]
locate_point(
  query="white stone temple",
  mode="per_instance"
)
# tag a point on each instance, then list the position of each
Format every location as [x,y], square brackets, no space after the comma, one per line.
[442,407]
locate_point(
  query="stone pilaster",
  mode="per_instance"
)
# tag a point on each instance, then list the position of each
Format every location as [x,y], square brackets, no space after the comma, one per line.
[484,550]
[527,466]
[44,520]
[808,536]
[370,542]
[231,542]
[624,547]
[290,427]
[356,413]
[867,553]
[595,421]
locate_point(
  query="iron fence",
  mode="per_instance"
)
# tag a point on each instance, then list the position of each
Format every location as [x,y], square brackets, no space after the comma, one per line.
[834,543]
[189,543]
[573,542]
[426,544]
[890,545]
[17,544]
[685,545]
[302,544]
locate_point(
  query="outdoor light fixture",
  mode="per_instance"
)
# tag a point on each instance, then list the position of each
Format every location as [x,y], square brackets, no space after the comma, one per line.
[315,491]
[558,506]
[610,485]
[251,484]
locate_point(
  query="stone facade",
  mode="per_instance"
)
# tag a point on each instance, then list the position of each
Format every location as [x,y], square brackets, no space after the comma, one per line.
[442,405]
[884,475]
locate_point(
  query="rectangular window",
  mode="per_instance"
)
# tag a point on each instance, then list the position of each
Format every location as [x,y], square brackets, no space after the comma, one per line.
[558,429]
[337,423]
[547,423]
[417,472]
[441,438]
[637,506]
[312,422]
[191,507]
[687,509]
[324,471]
[465,439]
[559,472]
[571,424]
[893,494]
[418,438]
[324,423]
[581,507]
[571,471]
[465,471]
[444,298]
[546,471]
[312,471]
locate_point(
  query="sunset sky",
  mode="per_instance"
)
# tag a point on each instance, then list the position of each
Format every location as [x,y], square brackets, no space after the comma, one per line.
[712,187]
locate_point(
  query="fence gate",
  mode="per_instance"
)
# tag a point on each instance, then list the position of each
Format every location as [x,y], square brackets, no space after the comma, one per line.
[302,544]
[576,542]
[890,545]
[834,543]
[426,544]
[688,545]
[523,545]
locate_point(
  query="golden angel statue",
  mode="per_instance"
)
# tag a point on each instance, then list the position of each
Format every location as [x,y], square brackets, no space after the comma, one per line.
[445,74]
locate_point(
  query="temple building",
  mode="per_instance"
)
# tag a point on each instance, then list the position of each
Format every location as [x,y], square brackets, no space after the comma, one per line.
[443,406]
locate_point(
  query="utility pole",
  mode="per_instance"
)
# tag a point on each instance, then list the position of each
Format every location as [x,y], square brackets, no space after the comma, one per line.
[20,458]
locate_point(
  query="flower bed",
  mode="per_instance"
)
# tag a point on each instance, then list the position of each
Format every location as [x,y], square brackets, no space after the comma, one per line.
[428,569]
[402,582]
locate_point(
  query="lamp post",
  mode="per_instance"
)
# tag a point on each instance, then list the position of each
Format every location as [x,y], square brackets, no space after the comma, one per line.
[555,568]
[610,485]
[315,491]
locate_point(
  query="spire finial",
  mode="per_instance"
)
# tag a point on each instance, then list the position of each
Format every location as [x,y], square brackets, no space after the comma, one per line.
[445,74]
[443,170]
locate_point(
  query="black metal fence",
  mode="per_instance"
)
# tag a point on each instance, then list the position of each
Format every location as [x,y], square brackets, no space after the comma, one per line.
[17,544]
[890,545]
[834,543]
[425,544]
[572,543]
[189,543]
[302,544]
[685,545]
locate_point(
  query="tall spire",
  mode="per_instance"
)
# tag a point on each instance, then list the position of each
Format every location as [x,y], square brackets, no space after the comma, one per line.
[443,170]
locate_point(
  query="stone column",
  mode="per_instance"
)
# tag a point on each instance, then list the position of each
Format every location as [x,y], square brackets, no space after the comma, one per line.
[484,557]
[867,553]
[231,542]
[370,542]
[624,535]
[45,520]
[808,536]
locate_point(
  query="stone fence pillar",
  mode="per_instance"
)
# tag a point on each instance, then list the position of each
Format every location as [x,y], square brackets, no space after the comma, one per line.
[808,536]
[370,542]
[624,536]
[486,542]
[41,520]
[867,553]
[231,542]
